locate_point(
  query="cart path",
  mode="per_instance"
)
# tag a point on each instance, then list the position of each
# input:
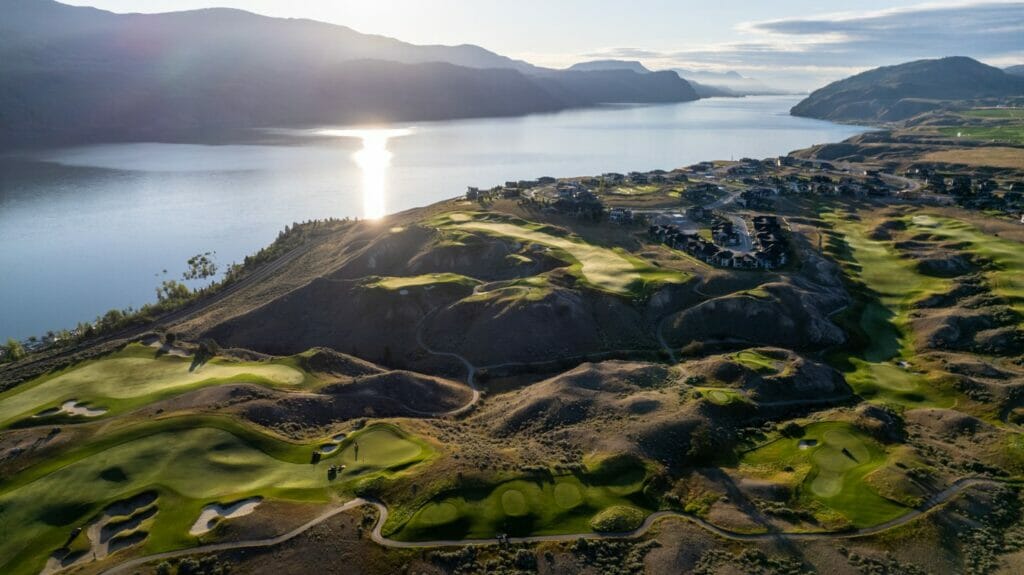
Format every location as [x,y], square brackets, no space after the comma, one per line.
[376,535]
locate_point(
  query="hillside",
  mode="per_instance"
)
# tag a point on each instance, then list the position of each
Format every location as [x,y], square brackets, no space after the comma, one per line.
[1017,70]
[895,93]
[473,369]
[72,75]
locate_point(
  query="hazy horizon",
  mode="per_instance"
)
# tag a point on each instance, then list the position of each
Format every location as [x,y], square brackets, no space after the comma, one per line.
[796,43]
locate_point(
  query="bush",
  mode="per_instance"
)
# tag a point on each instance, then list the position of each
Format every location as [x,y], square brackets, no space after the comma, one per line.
[617,518]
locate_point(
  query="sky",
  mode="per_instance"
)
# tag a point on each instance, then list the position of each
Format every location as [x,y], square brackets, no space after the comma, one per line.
[802,43]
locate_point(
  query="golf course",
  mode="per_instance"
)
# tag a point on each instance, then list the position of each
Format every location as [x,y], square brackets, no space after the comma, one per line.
[189,464]
[826,466]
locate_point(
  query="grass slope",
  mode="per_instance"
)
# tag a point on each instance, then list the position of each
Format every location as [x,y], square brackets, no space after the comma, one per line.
[613,270]
[136,376]
[1007,256]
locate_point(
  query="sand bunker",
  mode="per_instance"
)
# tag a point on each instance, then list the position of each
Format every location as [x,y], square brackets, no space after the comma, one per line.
[168,348]
[807,443]
[329,448]
[121,525]
[73,407]
[215,512]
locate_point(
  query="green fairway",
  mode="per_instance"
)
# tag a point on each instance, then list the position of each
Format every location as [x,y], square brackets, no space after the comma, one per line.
[527,506]
[1012,134]
[188,468]
[612,270]
[891,286]
[398,283]
[831,460]
[134,377]
[1007,256]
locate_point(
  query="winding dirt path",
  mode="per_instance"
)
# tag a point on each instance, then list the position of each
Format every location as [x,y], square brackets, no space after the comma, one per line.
[470,372]
[377,536]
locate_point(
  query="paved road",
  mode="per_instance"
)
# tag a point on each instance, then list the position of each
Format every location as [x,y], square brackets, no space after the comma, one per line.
[377,536]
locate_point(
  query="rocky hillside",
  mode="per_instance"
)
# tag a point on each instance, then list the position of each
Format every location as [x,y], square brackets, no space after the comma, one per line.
[895,93]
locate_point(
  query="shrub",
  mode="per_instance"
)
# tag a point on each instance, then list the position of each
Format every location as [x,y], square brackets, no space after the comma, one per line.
[617,518]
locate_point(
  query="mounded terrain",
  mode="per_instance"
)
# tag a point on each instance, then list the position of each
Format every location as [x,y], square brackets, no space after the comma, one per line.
[481,385]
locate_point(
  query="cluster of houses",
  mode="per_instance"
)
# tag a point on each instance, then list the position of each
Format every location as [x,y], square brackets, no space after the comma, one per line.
[769,241]
[770,253]
[644,178]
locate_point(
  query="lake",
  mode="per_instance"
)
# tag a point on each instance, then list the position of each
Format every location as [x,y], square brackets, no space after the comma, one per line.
[92,228]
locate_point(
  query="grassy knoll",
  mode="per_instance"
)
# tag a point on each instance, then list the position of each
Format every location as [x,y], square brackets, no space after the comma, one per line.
[889,286]
[1007,256]
[188,464]
[536,505]
[136,376]
[398,283]
[612,270]
[759,362]
[828,466]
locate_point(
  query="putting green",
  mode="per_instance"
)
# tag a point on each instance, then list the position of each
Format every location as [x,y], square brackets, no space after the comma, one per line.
[133,377]
[513,502]
[567,495]
[434,514]
[830,462]
[378,447]
[720,396]
[188,467]
[613,270]
[535,506]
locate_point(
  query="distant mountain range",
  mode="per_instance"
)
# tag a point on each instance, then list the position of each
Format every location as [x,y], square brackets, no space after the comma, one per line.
[895,93]
[706,84]
[71,74]
[1015,70]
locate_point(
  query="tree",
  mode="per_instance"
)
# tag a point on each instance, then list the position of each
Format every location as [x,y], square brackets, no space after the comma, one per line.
[14,349]
[172,292]
[200,267]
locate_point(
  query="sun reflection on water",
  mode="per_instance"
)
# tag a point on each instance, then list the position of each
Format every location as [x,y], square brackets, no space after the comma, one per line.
[373,160]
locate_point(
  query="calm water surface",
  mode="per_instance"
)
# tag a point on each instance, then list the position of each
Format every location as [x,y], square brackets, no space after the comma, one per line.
[88,229]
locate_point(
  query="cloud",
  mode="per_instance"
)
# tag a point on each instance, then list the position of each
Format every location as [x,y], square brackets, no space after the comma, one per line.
[825,47]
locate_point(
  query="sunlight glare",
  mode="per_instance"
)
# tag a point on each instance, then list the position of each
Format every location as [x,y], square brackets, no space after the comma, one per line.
[373,160]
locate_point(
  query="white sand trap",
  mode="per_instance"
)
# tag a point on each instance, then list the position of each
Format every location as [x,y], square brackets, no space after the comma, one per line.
[168,348]
[210,515]
[329,448]
[340,437]
[73,407]
[807,443]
